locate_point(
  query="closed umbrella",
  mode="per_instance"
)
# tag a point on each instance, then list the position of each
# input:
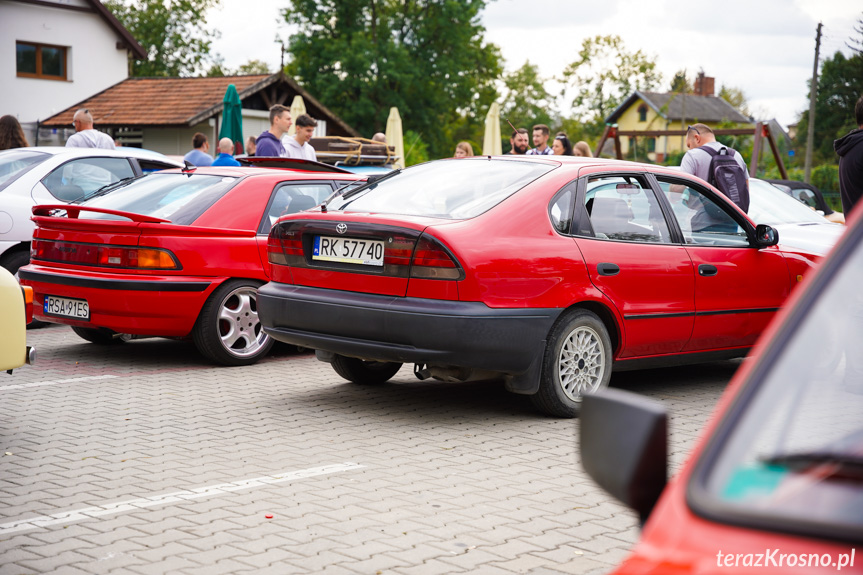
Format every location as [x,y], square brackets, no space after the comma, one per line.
[298,108]
[491,145]
[395,137]
[232,118]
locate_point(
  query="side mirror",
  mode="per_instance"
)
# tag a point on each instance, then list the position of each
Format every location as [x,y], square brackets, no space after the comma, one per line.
[624,446]
[765,236]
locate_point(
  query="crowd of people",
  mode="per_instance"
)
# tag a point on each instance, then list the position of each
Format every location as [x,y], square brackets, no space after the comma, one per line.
[520,145]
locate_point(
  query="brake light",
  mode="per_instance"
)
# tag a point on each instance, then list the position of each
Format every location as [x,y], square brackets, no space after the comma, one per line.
[433,261]
[103,256]
[284,245]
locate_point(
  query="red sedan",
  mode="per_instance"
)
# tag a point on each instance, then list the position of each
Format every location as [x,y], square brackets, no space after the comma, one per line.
[551,272]
[179,254]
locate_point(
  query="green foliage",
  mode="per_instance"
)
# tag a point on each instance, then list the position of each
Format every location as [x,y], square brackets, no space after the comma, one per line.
[680,83]
[173,32]
[605,74]
[826,177]
[840,84]
[526,101]
[427,57]
[736,98]
[249,68]
[416,151]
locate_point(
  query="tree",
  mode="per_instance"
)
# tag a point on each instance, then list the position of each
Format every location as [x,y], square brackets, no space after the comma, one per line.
[605,74]
[526,101]
[173,32]
[427,57]
[736,98]
[856,44]
[249,68]
[839,86]
[680,83]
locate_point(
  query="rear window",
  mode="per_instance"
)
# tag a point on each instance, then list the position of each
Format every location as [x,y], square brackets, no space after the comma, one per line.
[15,163]
[180,198]
[452,189]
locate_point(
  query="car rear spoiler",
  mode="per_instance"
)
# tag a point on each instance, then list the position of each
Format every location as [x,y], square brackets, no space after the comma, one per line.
[290,164]
[73,211]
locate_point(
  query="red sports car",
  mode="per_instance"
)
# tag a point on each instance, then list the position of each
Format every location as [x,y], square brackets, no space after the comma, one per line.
[549,271]
[179,253]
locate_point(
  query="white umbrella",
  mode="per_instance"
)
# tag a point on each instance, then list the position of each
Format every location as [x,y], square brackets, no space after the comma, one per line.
[298,108]
[491,145]
[394,136]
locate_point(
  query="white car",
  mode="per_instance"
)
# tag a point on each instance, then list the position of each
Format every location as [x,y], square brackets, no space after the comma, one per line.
[798,225]
[53,175]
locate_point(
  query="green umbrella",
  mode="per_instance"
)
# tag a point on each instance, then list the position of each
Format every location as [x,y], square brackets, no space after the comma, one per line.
[232,119]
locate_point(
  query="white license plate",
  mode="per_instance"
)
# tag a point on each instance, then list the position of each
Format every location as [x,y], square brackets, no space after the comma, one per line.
[349,251]
[66,307]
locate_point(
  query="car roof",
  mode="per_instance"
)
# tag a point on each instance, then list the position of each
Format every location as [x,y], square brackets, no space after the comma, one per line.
[123,152]
[607,164]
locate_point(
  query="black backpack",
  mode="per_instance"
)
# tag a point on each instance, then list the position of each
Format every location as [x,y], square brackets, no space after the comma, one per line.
[727,176]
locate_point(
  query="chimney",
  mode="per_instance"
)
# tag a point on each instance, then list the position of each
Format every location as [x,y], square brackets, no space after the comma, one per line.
[704,85]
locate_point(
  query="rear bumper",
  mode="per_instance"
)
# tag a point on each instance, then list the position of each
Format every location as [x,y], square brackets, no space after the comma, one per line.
[405,330]
[144,305]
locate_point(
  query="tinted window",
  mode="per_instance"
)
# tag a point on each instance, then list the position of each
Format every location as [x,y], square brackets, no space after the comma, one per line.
[82,177]
[793,456]
[702,220]
[560,210]
[292,198]
[624,208]
[445,189]
[180,198]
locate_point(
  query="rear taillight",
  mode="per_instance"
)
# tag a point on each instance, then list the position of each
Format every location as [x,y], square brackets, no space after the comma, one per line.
[284,246]
[125,257]
[27,291]
[432,261]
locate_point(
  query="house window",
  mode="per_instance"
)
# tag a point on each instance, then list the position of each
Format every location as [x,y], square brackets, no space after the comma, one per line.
[642,113]
[651,145]
[40,61]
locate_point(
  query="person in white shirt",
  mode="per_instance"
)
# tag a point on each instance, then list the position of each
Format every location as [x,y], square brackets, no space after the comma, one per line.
[85,136]
[298,146]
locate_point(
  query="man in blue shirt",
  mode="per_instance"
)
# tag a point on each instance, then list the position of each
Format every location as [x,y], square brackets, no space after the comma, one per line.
[269,143]
[225,157]
[199,156]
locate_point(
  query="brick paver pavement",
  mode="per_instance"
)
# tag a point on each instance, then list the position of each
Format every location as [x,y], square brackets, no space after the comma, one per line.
[143,458]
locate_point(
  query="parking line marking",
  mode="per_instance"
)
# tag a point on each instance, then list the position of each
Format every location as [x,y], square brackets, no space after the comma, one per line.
[165,498]
[56,382]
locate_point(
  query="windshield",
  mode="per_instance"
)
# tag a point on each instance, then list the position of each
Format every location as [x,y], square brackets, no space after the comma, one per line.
[15,163]
[180,198]
[452,189]
[795,454]
[769,205]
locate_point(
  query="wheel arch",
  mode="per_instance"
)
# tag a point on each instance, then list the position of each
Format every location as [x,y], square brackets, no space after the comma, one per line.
[606,315]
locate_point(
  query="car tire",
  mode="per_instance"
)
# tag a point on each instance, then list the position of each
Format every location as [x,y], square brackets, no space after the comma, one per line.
[228,330]
[364,372]
[577,361]
[98,335]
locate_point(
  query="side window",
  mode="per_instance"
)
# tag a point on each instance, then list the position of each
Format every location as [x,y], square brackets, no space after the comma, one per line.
[560,209]
[81,177]
[702,220]
[148,166]
[290,198]
[624,208]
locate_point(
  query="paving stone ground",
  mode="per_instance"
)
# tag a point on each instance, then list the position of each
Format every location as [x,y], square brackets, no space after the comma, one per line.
[143,458]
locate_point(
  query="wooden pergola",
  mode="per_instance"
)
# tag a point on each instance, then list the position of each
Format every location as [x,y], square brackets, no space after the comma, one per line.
[759,133]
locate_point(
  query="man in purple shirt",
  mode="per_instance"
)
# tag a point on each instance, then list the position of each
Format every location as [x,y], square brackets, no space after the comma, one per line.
[269,143]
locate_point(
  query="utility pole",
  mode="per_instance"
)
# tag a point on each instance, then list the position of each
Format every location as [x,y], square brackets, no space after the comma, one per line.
[810,135]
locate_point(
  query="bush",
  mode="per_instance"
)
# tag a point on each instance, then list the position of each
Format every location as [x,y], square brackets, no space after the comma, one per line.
[826,178]
[416,151]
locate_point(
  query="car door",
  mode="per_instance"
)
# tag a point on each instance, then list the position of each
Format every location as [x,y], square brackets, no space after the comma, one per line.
[633,259]
[738,287]
[289,198]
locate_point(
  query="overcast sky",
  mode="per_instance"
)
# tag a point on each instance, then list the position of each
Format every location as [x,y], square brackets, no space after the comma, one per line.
[764,47]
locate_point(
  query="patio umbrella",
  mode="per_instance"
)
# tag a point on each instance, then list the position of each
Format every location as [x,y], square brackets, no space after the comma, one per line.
[298,108]
[232,119]
[491,145]
[394,136]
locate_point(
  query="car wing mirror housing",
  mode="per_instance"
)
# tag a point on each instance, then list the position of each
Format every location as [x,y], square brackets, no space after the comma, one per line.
[765,236]
[624,447]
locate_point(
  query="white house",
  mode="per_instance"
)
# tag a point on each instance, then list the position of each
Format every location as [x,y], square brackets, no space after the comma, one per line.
[54,53]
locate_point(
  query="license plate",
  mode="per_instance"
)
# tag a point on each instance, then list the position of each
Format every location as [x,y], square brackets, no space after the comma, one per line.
[66,307]
[349,251]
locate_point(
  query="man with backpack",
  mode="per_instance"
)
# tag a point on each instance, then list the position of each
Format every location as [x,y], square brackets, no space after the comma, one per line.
[716,164]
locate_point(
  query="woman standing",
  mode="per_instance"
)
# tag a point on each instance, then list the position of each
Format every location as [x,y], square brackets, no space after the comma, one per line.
[561,146]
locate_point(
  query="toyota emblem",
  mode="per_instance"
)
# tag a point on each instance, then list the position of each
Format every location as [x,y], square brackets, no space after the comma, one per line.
[342,228]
